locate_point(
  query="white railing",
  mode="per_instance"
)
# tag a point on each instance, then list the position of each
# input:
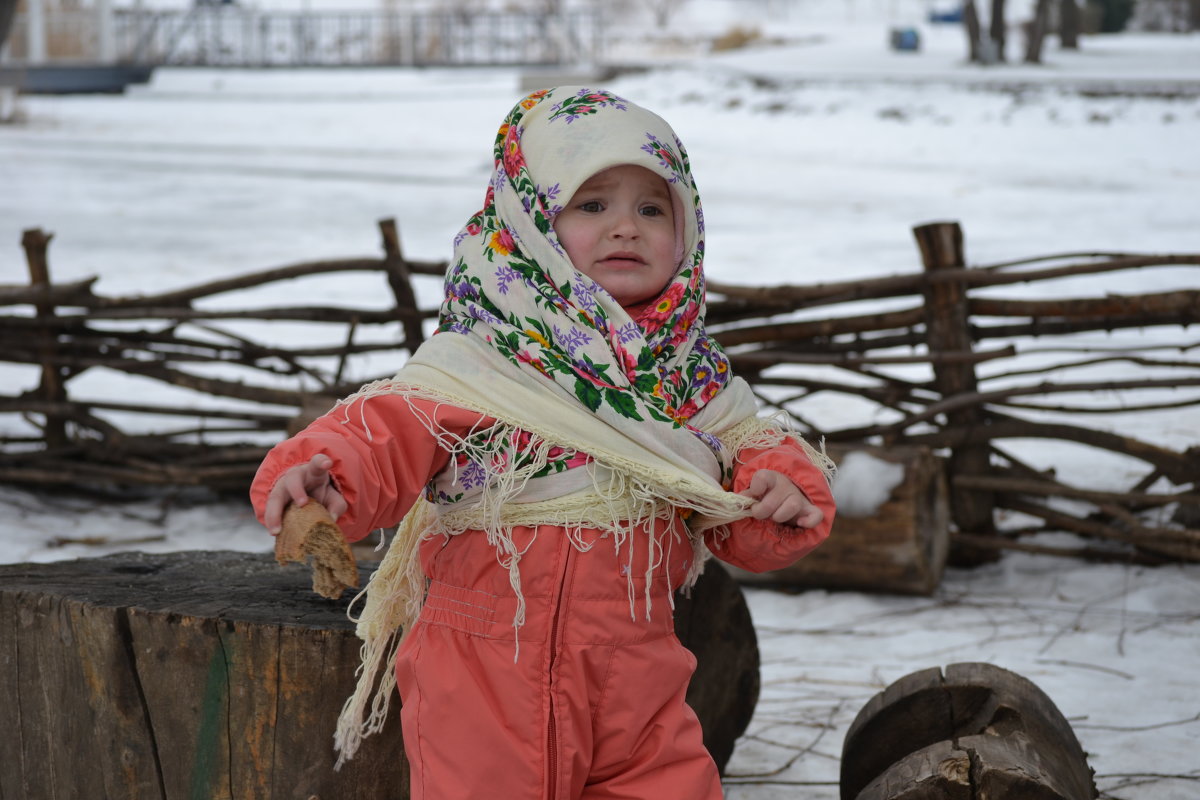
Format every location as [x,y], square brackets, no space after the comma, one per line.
[226,35]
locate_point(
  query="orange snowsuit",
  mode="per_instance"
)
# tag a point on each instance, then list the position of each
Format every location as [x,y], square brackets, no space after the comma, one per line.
[593,708]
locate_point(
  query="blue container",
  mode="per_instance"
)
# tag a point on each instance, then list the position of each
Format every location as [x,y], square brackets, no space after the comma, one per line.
[951,17]
[906,39]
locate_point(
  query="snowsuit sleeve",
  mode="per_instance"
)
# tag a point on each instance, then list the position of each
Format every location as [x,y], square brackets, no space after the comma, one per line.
[762,545]
[383,456]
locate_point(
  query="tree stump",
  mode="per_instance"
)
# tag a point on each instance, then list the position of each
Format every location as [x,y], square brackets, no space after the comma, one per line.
[713,621]
[901,547]
[979,732]
[221,675]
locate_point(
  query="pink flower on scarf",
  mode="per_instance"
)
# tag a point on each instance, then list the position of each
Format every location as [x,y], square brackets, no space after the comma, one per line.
[656,315]
[514,159]
[684,327]
[536,363]
[686,411]
[578,460]
[502,242]
[627,360]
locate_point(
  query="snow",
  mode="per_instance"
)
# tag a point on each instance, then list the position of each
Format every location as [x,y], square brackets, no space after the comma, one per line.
[815,157]
[863,483]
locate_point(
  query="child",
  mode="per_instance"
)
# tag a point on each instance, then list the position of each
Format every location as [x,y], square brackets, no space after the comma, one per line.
[565,451]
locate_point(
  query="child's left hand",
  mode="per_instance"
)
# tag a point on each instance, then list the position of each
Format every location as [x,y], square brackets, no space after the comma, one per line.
[781,501]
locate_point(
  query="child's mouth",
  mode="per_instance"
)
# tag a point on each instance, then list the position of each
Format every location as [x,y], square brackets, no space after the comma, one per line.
[623,260]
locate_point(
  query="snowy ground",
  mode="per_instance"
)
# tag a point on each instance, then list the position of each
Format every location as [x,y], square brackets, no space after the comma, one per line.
[814,159]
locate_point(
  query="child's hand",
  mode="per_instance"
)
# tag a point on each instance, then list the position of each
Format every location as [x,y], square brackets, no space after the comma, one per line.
[780,500]
[297,485]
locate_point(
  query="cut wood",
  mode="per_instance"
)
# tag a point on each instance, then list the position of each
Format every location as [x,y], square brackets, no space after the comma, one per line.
[909,742]
[972,768]
[902,547]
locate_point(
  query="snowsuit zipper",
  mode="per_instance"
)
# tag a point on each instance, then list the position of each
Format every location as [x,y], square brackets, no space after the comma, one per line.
[556,625]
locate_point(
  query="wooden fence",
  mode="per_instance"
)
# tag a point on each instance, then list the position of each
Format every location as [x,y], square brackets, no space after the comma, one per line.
[914,356]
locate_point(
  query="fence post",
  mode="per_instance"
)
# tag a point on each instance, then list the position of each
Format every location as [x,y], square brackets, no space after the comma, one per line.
[35,241]
[947,323]
[400,279]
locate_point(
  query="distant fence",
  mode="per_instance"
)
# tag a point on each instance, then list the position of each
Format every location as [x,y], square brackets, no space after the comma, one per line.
[938,318]
[233,36]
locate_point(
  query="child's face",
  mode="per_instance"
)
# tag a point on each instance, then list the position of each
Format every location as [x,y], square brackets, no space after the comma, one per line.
[619,230]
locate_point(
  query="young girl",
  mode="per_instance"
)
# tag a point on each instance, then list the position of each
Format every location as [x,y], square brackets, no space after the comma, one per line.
[565,452]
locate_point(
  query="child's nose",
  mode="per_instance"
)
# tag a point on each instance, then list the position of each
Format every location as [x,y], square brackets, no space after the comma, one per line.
[625,224]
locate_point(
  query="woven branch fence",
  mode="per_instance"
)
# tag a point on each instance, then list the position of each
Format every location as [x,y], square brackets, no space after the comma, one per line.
[935,358]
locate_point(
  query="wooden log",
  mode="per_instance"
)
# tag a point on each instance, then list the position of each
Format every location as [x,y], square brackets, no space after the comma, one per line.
[220,675]
[400,280]
[937,772]
[949,328]
[972,768]
[52,388]
[901,548]
[1147,307]
[977,727]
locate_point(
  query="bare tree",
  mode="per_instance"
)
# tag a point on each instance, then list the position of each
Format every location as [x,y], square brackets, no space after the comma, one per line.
[1070,19]
[8,11]
[974,34]
[1035,32]
[999,30]
[662,10]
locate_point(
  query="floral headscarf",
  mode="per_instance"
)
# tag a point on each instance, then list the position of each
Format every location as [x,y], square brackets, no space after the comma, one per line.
[512,283]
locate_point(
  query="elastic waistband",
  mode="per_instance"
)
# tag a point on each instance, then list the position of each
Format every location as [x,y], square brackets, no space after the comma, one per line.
[581,619]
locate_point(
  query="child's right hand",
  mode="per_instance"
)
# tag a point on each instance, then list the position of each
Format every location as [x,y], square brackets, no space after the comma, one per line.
[299,483]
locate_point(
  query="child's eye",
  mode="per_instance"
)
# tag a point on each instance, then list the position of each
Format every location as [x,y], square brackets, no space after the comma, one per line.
[651,211]
[591,206]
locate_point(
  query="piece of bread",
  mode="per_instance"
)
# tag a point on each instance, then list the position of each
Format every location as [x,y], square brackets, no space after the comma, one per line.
[309,532]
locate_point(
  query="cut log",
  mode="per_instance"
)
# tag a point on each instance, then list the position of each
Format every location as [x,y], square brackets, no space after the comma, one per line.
[900,548]
[972,768]
[714,622]
[938,772]
[979,728]
[221,675]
